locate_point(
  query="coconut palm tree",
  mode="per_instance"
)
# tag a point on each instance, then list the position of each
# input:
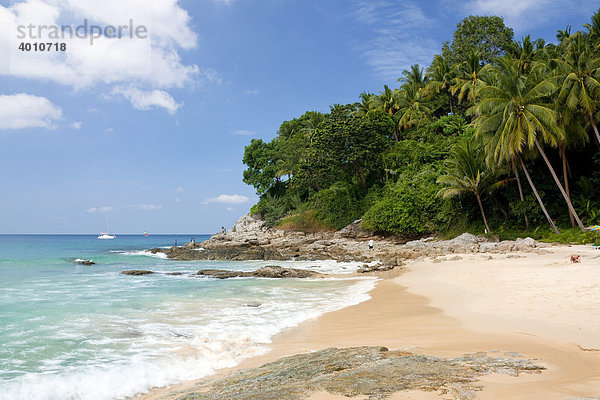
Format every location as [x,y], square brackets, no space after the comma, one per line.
[580,88]
[440,77]
[563,35]
[574,134]
[414,77]
[470,78]
[514,113]
[388,102]
[594,29]
[368,104]
[413,107]
[466,172]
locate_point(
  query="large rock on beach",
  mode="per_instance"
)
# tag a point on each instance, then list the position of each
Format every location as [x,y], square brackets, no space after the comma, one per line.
[365,372]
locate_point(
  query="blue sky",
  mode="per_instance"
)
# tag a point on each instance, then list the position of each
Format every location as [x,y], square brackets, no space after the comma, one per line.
[151,134]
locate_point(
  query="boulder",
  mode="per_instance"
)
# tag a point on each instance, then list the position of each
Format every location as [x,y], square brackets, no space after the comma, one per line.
[355,231]
[137,272]
[84,262]
[264,272]
[280,272]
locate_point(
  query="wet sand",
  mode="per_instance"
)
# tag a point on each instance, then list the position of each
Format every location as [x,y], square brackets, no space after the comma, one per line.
[472,305]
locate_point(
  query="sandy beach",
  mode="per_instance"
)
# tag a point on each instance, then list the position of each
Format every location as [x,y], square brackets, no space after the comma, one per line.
[536,306]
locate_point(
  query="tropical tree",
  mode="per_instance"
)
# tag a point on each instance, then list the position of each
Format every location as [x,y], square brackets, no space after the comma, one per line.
[414,77]
[387,101]
[368,104]
[413,107]
[563,35]
[469,78]
[466,172]
[440,78]
[580,89]
[515,114]
[574,134]
[485,34]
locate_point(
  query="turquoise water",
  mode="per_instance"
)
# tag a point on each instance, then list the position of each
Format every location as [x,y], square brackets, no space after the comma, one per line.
[69,331]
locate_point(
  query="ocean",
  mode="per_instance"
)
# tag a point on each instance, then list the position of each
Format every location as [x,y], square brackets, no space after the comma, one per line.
[69,331]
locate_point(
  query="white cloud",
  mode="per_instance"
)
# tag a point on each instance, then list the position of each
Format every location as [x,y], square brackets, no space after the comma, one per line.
[76,125]
[23,110]
[103,209]
[398,36]
[153,63]
[227,199]
[179,189]
[146,100]
[243,132]
[178,200]
[251,91]
[229,208]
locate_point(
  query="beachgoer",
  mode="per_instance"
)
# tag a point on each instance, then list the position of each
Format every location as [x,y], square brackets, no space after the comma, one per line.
[575,258]
[175,242]
[371,244]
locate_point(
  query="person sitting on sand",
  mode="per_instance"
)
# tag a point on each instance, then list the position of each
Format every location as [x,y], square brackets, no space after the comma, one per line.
[575,258]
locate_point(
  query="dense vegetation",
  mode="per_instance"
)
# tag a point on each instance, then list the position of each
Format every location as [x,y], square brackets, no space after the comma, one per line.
[495,133]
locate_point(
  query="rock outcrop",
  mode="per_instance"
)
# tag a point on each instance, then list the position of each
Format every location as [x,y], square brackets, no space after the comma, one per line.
[264,272]
[251,239]
[373,372]
[84,262]
[137,272]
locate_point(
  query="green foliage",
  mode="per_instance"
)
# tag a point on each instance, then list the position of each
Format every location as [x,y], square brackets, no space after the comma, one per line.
[337,206]
[381,158]
[408,207]
[261,159]
[487,35]
[348,147]
[303,221]
[452,125]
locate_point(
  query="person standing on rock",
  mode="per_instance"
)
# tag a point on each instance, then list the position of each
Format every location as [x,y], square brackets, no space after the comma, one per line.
[371,244]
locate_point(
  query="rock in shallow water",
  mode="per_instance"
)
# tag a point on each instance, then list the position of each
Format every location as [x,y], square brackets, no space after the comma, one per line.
[137,272]
[264,272]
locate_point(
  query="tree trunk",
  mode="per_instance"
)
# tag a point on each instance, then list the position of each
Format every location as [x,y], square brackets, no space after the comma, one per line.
[562,149]
[483,214]
[594,126]
[539,199]
[451,112]
[516,170]
[562,190]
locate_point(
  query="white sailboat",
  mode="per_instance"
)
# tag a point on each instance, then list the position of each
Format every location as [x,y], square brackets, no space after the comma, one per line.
[106,235]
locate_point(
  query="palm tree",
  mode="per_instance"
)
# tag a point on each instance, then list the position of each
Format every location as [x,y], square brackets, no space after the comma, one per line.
[574,134]
[414,77]
[440,77]
[470,78]
[387,101]
[466,172]
[563,35]
[368,104]
[580,87]
[413,107]
[524,52]
[514,113]
[594,29]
